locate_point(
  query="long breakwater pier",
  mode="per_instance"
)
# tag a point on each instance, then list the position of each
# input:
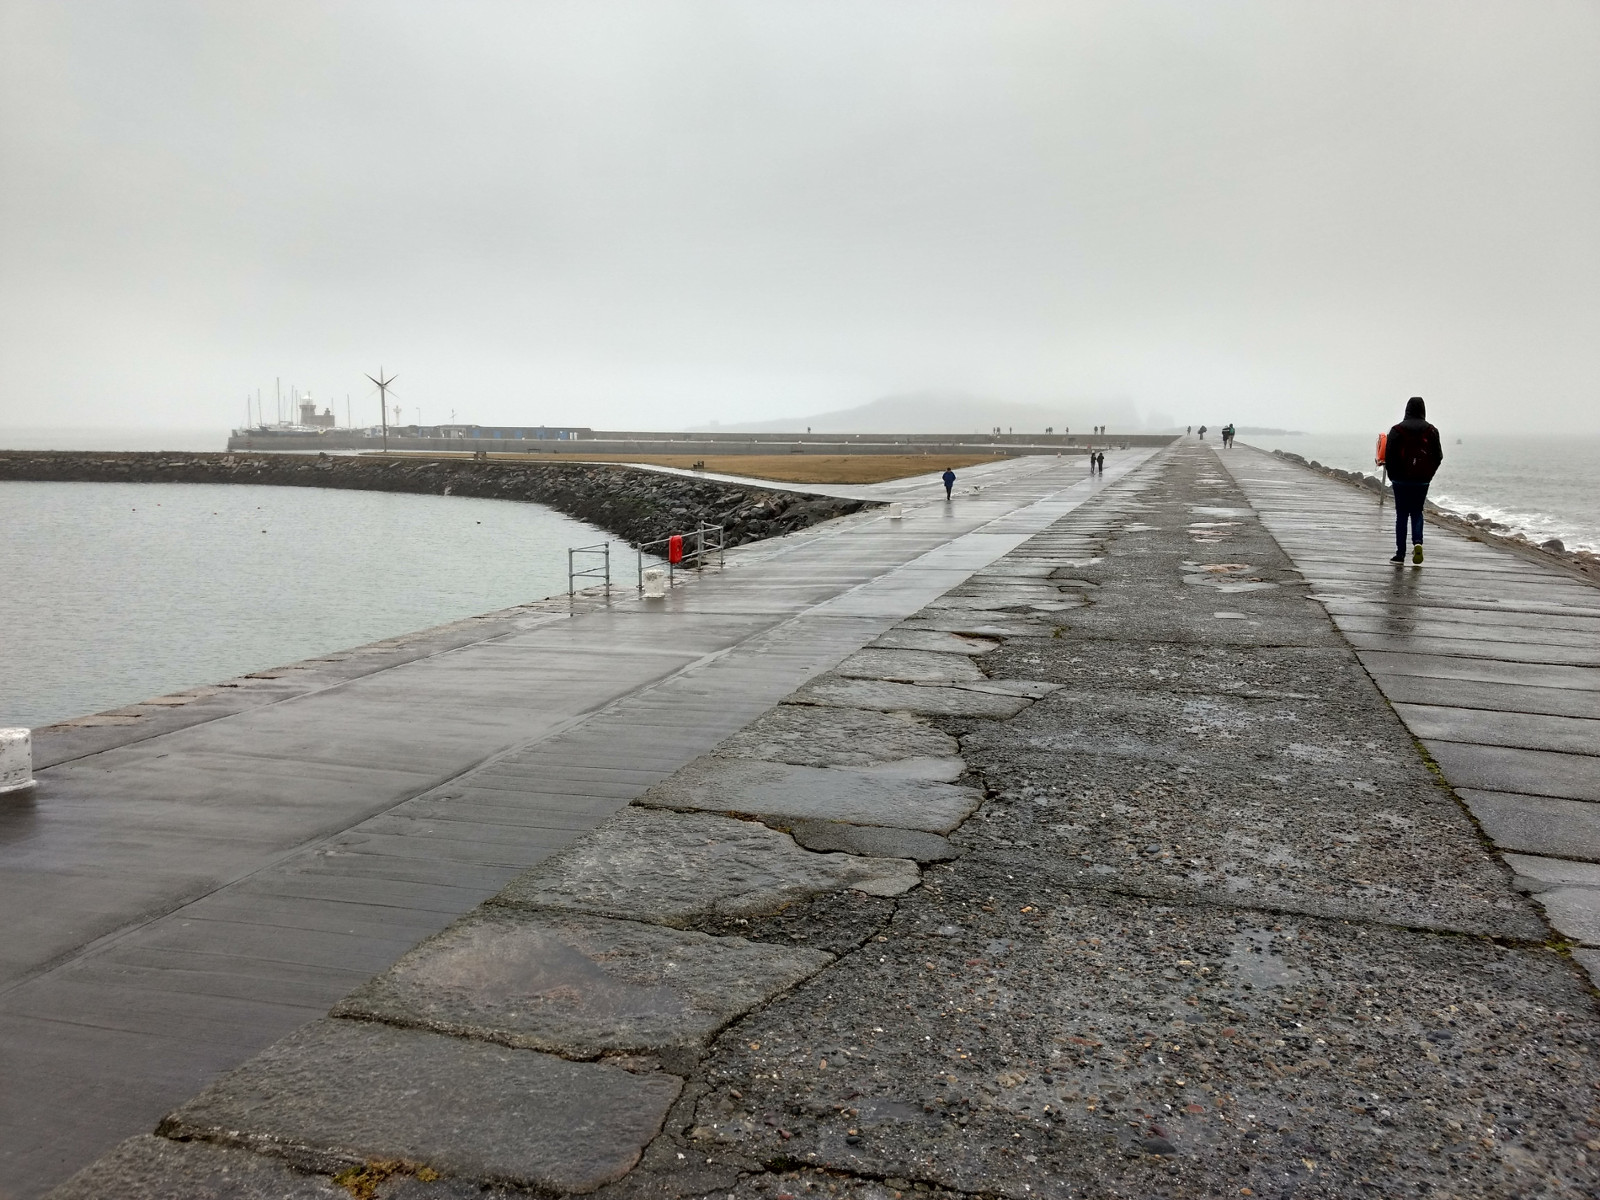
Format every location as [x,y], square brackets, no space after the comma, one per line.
[1138,834]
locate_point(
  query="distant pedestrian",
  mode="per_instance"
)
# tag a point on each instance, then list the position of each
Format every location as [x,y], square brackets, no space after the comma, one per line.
[1202,433]
[1101,466]
[949,478]
[1412,455]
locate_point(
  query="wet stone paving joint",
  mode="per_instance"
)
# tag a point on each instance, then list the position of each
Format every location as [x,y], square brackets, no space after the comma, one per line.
[1110,873]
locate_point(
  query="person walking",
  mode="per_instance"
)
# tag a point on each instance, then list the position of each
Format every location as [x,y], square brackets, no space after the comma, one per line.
[1412,455]
[949,478]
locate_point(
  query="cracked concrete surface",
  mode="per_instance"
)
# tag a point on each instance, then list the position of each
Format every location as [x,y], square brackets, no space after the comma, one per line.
[1212,927]
[669,868]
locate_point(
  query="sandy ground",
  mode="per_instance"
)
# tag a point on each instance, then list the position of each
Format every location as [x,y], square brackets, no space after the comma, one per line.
[785,468]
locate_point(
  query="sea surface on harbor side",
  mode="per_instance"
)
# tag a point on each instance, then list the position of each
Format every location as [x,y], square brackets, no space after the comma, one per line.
[112,593]
[1544,487]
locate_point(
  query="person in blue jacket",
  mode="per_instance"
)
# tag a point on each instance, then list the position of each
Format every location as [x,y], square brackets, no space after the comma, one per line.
[949,478]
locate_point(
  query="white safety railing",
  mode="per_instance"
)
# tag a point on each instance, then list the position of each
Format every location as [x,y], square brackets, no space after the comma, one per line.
[595,570]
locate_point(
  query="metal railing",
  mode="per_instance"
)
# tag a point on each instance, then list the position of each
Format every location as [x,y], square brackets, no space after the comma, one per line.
[698,546]
[599,570]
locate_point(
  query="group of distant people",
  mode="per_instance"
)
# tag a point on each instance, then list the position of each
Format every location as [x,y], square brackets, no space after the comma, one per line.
[1410,454]
[1227,434]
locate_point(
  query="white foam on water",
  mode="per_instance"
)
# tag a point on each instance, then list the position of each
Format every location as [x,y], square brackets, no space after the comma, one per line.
[1540,487]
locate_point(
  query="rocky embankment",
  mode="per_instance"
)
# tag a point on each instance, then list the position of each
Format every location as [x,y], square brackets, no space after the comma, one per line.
[1472,524]
[639,506]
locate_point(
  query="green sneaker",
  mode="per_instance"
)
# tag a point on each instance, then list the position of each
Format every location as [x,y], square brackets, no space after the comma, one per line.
[1416,553]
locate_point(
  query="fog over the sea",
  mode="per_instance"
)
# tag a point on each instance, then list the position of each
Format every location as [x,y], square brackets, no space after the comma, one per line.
[662,214]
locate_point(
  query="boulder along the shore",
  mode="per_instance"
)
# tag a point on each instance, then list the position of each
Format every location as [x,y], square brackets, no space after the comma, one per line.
[637,506]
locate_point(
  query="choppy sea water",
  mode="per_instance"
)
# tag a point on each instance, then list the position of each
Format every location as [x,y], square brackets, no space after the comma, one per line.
[1544,487]
[111,593]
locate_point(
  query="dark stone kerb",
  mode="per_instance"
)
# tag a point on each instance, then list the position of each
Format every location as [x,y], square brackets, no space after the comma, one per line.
[637,506]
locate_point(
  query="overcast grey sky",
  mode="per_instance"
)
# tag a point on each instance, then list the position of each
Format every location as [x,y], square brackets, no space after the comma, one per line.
[658,214]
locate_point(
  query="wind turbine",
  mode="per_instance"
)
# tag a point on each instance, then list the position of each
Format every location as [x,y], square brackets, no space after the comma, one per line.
[383,404]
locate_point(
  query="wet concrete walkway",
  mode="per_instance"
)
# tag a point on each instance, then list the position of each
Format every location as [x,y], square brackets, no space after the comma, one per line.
[1107,872]
[191,882]
[1491,658]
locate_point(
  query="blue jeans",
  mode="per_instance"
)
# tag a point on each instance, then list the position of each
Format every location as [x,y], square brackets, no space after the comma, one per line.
[1408,499]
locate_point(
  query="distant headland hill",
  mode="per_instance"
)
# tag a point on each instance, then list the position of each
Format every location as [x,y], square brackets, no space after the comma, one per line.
[960,412]
[951,412]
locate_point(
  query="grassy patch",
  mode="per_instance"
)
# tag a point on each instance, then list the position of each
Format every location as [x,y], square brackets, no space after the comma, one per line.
[362,1182]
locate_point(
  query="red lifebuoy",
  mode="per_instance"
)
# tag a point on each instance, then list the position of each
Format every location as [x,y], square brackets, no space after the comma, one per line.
[675,548]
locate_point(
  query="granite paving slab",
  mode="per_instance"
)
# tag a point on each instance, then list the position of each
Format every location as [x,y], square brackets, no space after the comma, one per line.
[1569,893]
[1426,625]
[337,1093]
[984,625]
[812,736]
[1589,960]
[874,841]
[1542,825]
[910,697]
[927,770]
[909,666]
[1504,769]
[1481,670]
[579,986]
[1492,697]
[1517,652]
[1532,731]
[152,1168]
[779,794]
[1486,615]
[672,868]
[941,643]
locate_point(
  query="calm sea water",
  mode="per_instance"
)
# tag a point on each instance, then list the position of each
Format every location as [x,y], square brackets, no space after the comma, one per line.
[43,437]
[112,593]
[1544,487]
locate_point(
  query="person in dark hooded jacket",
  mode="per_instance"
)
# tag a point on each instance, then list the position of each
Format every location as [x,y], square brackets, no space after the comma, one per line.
[1411,456]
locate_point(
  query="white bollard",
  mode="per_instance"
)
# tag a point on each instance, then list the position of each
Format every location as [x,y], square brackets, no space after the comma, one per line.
[896,512]
[16,760]
[655,584]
